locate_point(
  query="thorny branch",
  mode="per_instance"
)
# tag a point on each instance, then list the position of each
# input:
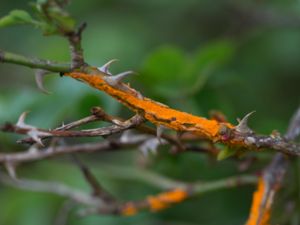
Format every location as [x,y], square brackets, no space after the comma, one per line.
[37,134]
[102,202]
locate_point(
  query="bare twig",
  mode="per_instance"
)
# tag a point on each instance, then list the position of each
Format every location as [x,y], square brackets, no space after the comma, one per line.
[97,189]
[50,187]
[78,123]
[33,155]
[48,65]
[74,39]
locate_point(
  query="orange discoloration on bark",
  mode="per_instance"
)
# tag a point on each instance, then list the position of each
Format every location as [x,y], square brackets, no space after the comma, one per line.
[163,200]
[153,111]
[129,210]
[156,204]
[261,207]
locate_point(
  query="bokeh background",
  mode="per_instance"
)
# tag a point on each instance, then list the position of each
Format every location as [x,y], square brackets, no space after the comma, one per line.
[196,56]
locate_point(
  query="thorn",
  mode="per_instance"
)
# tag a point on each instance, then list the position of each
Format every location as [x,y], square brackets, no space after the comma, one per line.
[21,120]
[39,75]
[34,134]
[242,127]
[106,66]
[115,80]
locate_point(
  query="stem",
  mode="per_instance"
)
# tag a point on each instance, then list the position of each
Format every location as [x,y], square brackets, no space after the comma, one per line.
[13,58]
[200,188]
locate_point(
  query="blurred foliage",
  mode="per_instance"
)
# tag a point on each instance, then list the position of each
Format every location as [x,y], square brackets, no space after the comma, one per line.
[197,56]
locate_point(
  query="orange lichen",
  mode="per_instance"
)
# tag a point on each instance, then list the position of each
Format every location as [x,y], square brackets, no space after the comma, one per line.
[129,209]
[155,204]
[261,208]
[163,200]
[153,111]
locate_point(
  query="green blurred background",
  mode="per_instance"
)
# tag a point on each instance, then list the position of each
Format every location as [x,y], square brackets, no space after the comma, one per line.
[194,55]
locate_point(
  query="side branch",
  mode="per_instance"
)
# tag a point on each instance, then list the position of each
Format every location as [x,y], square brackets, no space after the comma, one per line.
[48,65]
[48,152]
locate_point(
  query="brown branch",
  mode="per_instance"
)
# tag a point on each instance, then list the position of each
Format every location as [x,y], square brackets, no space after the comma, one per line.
[175,195]
[272,179]
[97,189]
[34,154]
[50,187]
[78,123]
[76,50]
[42,133]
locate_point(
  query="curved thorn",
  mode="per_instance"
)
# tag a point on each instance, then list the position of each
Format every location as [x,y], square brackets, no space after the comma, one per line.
[106,66]
[39,75]
[115,80]
[242,127]
[21,120]
[119,77]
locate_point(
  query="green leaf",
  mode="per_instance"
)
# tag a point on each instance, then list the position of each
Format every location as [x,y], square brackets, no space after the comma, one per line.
[165,64]
[53,19]
[48,29]
[225,153]
[17,17]
[216,53]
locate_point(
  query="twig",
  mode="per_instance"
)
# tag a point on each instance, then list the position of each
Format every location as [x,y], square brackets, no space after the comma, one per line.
[13,58]
[50,187]
[154,203]
[143,175]
[97,189]
[78,123]
[42,133]
[176,195]
[76,50]
[33,155]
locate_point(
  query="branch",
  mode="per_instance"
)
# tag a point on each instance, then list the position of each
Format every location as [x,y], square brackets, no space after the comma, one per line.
[9,57]
[97,189]
[239,136]
[33,155]
[271,180]
[49,187]
[37,134]
[74,39]
[176,195]
[153,203]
